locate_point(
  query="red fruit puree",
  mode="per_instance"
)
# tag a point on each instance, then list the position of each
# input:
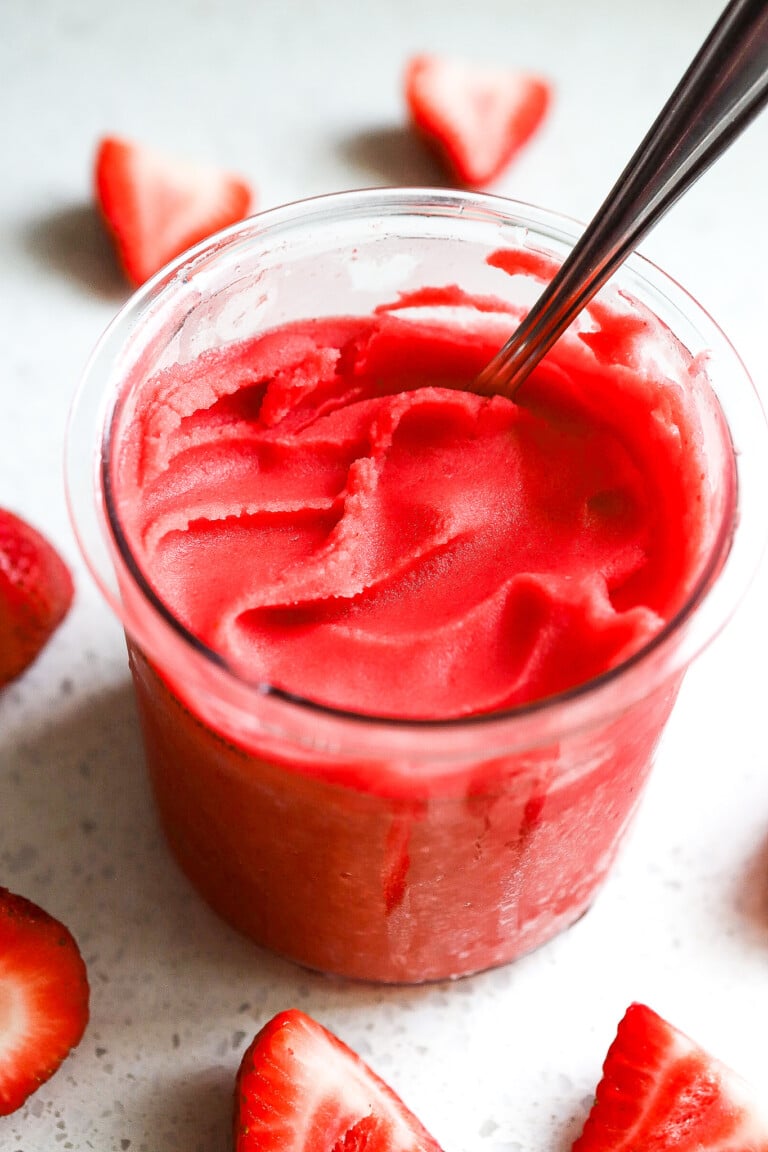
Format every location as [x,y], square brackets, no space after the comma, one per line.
[331,509]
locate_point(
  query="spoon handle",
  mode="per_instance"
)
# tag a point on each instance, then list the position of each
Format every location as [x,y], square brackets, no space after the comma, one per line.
[724,88]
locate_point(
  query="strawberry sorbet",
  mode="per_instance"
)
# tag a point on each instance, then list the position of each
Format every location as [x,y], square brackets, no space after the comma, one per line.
[332,509]
[403,653]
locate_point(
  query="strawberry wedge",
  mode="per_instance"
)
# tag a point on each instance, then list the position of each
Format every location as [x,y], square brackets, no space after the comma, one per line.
[300,1089]
[156,206]
[476,119]
[43,998]
[661,1092]
[36,591]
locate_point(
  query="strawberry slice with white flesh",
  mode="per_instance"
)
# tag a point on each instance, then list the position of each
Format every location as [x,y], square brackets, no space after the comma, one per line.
[156,206]
[301,1089]
[43,998]
[475,118]
[661,1092]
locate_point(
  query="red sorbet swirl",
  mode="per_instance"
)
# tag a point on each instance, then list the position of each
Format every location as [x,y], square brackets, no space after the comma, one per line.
[331,509]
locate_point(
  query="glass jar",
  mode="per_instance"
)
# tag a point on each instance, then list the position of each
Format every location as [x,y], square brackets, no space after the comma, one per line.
[364,845]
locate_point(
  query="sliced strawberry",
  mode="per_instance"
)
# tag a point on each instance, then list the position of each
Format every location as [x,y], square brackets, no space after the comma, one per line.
[300,1089]
[43,998]
[660,1091]
[35,594]
[475,118]
[156,206]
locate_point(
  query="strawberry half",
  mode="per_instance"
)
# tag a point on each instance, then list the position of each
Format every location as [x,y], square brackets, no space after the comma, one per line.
[156,206]
[300,1089]
[475,118]
[43,998]
[35,594]
[661,1091]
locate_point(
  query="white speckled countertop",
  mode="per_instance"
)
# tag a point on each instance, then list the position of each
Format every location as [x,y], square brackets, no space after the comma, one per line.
[305,98]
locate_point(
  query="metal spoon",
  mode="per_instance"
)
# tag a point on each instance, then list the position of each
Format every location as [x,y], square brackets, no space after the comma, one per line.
[724,88]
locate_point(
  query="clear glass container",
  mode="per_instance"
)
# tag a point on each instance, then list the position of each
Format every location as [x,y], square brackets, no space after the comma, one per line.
[362,845]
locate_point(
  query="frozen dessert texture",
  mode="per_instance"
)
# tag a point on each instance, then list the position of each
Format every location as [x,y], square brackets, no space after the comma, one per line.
[330,507]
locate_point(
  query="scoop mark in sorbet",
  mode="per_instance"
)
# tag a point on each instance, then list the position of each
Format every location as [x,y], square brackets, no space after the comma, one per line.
[332,508]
